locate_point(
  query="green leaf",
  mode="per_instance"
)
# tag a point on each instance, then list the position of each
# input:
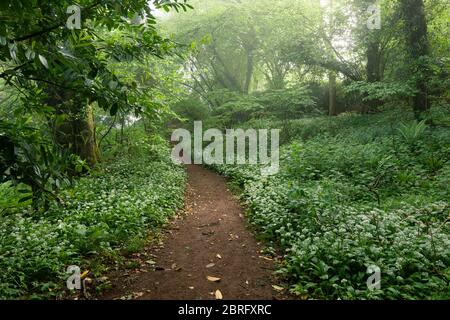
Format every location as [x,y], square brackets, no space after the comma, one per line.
[25,199]
[29,54]
[43,60]
[114,109]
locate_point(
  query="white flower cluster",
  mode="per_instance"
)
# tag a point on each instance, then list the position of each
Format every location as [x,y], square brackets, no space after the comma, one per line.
[101,213]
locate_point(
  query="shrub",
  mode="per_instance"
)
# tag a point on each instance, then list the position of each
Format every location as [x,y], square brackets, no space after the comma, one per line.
[111,210]
[353,193]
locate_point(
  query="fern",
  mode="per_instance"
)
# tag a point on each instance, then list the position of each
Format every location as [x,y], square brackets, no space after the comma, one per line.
[410,133]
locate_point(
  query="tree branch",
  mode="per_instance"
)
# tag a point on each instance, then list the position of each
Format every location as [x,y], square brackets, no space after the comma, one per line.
[51,28]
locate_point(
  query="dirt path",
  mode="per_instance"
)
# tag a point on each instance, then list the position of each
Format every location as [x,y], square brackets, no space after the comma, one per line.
[210,239]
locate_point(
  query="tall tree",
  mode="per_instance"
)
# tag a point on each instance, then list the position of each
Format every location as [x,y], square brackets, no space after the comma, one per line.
[332,91]
[59,74]
[418,48]
[69,70]
[332,94]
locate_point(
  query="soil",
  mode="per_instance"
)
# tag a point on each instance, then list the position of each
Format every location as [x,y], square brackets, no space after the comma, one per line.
[209,238]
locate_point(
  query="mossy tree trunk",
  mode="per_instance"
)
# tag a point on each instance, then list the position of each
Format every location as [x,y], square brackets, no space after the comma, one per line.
[73,125]
[76,133]
[88,148]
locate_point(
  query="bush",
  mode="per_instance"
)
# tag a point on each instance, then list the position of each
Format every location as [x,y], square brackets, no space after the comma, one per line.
[104,213]
[192,109]
[355,191]
[274,105]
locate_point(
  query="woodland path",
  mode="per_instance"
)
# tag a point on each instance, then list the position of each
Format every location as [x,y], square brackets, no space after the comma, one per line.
[209,238]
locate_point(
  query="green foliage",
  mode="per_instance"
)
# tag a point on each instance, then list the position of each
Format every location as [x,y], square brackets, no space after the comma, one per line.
[353,190]
[292,103]
[242,46]
[51,77]
[29,157]
[411,133]
[280,104]
[191,109]
[13,198]
[104,213]
[49,58]
[382,91]
[352,193]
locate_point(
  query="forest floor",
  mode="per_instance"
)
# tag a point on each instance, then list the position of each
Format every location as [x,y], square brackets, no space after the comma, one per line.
[208,239]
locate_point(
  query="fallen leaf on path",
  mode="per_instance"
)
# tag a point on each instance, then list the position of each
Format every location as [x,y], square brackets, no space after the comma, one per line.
[218,295]
[88,280]
[150,262]
[266,258]
[219,256]
[213,279]
[277,288]
[175,267]
[210,265]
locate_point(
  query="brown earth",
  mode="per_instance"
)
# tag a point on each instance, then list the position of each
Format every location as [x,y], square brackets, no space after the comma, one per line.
[209,238]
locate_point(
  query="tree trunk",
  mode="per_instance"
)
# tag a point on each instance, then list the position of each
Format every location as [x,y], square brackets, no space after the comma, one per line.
[78,136]
[122,125]
[332,109]
[249,74]
[88,150]
[373,68]
[418,47]
[278,75]
[76,132]
[373,61]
